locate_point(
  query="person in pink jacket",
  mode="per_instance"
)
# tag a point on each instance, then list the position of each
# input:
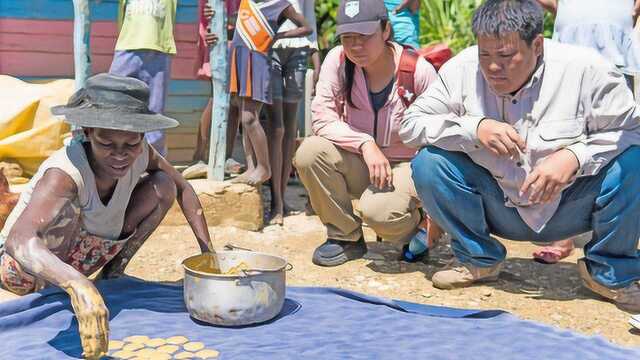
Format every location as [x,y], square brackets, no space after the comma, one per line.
[356,151]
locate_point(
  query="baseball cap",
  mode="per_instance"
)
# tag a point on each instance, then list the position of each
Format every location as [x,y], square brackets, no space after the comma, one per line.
[360,16]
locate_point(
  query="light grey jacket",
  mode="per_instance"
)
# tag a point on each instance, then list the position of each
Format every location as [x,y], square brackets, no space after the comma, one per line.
[574,100]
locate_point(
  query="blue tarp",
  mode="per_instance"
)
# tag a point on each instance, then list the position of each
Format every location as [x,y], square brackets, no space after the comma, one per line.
[316,323]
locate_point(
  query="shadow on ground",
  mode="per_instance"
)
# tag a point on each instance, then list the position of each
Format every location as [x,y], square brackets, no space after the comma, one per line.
[519,275]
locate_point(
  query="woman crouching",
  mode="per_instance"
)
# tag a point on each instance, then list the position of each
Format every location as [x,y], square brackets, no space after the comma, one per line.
[93,203]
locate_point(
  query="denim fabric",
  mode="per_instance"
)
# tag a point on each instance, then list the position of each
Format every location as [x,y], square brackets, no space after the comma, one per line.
[467,202]
[154,68]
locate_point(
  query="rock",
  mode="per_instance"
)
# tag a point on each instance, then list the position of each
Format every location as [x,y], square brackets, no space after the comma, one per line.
[224,204]
[360,278]
[487,293]
[426,295]
[556,317]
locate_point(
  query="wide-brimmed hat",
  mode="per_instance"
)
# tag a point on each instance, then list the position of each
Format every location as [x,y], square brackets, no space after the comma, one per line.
[113,102]
[360,16]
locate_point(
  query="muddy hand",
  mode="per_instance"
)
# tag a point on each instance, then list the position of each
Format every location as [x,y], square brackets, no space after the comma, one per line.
[93,318]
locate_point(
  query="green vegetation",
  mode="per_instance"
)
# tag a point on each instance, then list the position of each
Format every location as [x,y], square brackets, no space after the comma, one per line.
[441,21]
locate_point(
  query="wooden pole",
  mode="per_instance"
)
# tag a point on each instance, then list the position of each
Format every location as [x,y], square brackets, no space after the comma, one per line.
[218,57]
[81,36]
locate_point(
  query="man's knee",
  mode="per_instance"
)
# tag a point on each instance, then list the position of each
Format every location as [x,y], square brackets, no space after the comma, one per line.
[164,188]
[428,165]
[627,163]
[312,150]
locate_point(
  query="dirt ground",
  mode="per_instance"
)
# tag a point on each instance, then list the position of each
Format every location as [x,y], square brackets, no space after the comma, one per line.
[550,294]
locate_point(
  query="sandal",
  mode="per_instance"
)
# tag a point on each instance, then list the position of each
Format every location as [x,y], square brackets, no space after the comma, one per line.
[232,167]
[551,254]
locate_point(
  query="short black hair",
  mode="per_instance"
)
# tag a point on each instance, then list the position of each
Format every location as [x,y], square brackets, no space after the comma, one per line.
[500,17]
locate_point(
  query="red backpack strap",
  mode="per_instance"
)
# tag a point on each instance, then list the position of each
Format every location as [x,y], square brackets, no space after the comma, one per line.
[406,75]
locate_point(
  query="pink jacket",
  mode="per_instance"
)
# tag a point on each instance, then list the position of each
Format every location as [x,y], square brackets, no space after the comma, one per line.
[348,127]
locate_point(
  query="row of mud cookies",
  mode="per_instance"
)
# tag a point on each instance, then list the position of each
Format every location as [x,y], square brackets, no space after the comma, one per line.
[142,347]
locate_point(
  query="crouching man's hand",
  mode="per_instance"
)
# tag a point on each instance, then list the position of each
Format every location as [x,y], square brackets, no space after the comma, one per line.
[549,178]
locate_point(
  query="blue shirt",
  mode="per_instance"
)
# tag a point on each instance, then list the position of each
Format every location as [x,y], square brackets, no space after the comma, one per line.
[405,24]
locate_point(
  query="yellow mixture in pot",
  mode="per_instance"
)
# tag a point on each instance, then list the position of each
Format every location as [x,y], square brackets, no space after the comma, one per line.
[206,264]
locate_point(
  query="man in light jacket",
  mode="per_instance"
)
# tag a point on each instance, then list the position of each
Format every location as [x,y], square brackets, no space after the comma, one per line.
[530,140]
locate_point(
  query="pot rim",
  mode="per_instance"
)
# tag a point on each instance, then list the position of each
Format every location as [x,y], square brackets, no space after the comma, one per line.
[246,273]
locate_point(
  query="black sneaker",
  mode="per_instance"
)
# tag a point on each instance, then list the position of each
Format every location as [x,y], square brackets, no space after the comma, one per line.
[337,252]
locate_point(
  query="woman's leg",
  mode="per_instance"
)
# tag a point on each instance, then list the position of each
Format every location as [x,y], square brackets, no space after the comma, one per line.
[276,134]
[149,203]
[257,141]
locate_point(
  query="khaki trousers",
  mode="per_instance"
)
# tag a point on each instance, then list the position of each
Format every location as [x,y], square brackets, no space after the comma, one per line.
[334,177]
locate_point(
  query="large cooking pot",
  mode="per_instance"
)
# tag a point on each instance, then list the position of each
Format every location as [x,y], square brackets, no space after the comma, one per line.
[252,294]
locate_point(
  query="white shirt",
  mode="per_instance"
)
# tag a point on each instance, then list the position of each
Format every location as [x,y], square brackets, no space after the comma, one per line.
[574,100]
[308,9]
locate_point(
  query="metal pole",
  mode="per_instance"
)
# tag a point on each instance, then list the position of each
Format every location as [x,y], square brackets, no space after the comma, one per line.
[218,57]
[81,36]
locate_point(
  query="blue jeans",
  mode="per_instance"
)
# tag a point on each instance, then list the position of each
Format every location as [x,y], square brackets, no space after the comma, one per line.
[467,202]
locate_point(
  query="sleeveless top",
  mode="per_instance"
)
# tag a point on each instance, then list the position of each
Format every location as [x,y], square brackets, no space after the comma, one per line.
[98,219]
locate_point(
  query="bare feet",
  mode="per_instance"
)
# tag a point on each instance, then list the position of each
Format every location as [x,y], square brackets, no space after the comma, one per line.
[277,213]
[288,210]
[277,219]
[253,178]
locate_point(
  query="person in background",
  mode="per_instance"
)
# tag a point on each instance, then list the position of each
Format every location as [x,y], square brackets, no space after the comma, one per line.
[608,28]
[290,59]
[251,74]
[143,51]
[356,151]
[404,16]
[198,167]
[531,140]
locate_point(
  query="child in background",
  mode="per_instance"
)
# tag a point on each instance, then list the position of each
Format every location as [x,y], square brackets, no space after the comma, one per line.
[290,59]
[251,73]
[203,70]
[143,51]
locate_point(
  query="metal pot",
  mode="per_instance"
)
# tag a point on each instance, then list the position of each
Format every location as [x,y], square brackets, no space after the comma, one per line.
[251,296]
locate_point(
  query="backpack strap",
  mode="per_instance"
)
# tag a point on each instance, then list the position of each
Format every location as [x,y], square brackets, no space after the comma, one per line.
[405,75]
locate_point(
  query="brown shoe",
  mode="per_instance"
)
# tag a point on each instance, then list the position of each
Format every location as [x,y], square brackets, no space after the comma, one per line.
[627,298]
[457,275]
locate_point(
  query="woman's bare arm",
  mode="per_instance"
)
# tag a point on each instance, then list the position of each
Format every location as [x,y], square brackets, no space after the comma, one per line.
[303,28]
[52,196]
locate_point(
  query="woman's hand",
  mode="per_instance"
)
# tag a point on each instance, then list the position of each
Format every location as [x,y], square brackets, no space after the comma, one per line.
[380,173]
[93,318]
